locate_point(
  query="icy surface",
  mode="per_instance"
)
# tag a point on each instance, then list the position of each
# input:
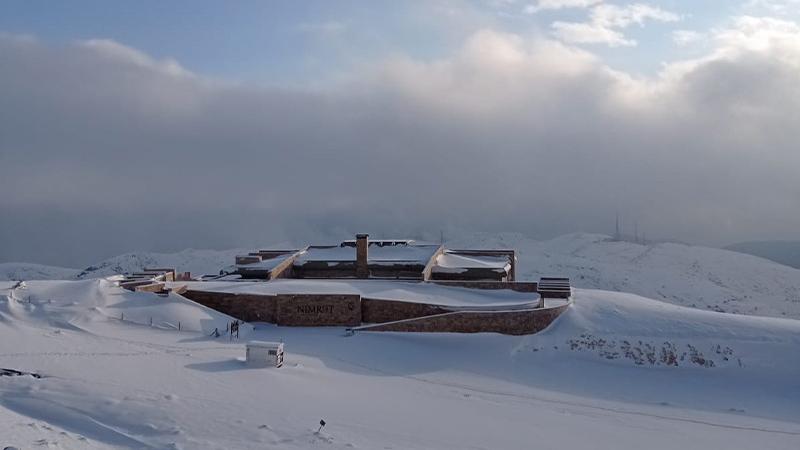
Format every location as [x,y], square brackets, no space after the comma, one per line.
[117,384]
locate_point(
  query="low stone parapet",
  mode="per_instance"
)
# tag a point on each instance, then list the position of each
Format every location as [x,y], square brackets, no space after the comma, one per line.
[517,286]
[516,322]
[379,311]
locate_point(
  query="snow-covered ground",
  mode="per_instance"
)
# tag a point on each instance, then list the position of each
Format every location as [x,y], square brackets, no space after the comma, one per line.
[615,371]
[701,277]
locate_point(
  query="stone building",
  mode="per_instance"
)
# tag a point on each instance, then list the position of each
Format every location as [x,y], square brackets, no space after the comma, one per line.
[385,285]
[400,259]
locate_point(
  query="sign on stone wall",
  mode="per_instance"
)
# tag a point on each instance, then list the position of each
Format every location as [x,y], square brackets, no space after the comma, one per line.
[313,310]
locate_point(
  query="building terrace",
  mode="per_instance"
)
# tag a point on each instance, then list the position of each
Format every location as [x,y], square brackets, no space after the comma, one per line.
[402,259]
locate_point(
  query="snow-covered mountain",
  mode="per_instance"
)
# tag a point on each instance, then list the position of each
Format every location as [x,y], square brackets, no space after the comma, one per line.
[198,262]
[783,252]
[31,271]
[695,276]
[681,274]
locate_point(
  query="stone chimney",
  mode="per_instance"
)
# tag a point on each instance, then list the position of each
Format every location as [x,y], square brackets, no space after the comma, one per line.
[362,251]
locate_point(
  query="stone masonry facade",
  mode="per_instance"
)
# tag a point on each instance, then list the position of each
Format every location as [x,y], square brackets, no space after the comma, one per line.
[518,322]
[379,311]
[353,310]
[310,310]
[247,307]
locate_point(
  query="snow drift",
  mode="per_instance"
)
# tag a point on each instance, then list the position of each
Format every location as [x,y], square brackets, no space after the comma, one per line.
[110,383]
[75,305]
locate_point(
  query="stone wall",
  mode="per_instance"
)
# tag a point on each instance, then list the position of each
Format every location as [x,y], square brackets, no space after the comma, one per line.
[518,286]
[313,310]
[317,269]
[505,322]
[132,285]
[362,255]
[377,311]
[471,273]
[352,311]
[156,287]
[286,310]
[247,307]
[399,271]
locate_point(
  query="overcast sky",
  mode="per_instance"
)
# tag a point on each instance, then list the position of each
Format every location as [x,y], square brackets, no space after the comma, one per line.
[166,125]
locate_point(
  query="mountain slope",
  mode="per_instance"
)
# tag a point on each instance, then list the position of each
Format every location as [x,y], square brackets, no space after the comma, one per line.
[199,262]
[783,252]
[686,275]
[31,271]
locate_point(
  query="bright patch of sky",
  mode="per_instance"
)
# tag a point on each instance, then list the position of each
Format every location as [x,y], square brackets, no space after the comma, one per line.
[317,40]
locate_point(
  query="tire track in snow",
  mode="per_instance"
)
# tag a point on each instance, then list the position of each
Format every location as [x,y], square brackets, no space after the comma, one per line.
[530,397]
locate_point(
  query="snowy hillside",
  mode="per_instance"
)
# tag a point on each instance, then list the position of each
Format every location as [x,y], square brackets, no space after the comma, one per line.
[615,371]
[30,271]
[700,277]
[199,262]
[783,252]
[76,305]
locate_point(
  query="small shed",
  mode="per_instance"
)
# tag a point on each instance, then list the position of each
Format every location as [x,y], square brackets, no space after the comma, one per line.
[264,354]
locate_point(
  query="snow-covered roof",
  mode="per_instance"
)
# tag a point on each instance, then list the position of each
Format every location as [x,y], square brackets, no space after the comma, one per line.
[379,242]
[420,254]
[453,261]
[417,253]
[264,344]
[266,264]
[326,254]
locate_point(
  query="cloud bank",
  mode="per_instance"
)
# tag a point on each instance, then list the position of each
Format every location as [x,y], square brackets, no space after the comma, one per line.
[105,149]
[606,21]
